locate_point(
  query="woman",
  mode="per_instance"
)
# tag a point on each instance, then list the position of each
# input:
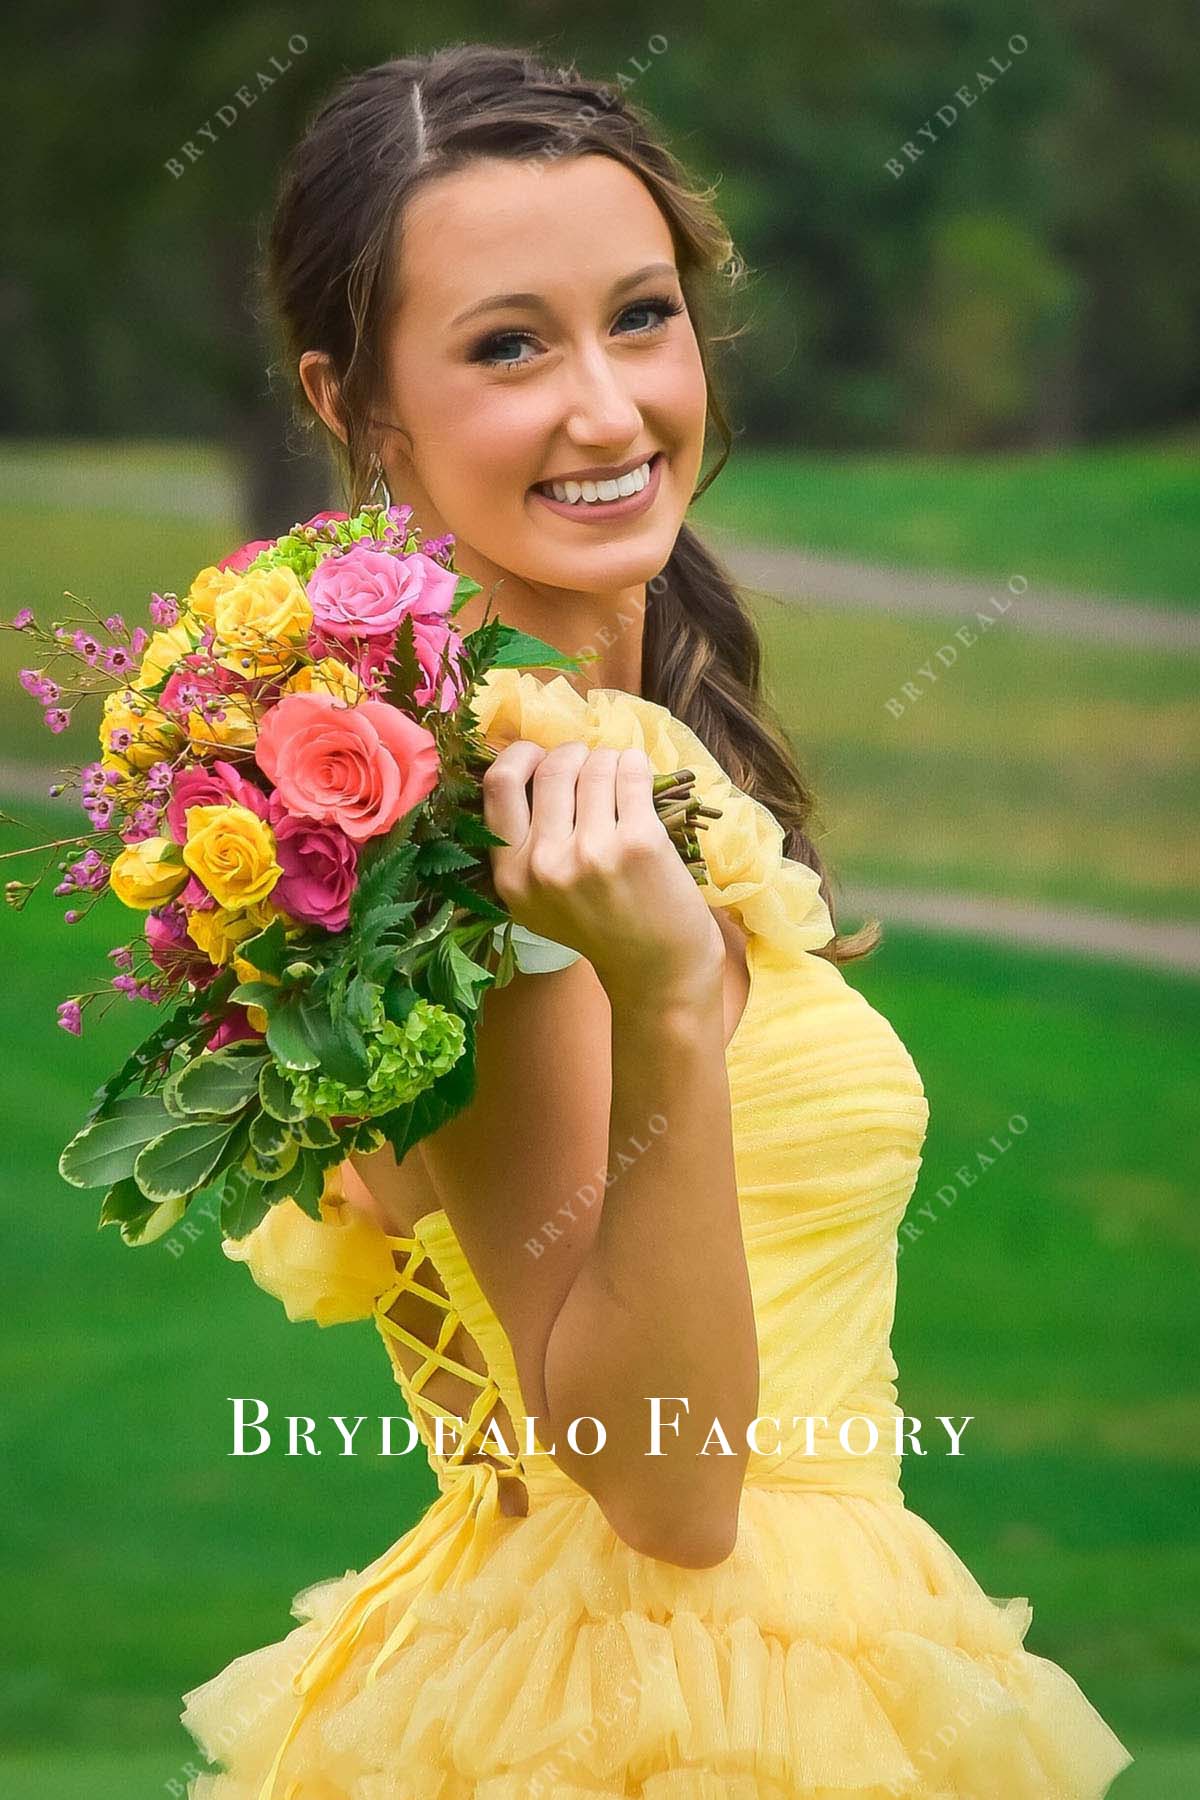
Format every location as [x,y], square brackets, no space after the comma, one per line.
[672,1204]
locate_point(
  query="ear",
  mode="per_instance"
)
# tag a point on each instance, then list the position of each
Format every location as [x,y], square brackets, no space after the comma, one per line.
[321,385]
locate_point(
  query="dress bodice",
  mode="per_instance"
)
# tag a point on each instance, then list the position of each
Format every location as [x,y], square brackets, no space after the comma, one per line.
[828,1119]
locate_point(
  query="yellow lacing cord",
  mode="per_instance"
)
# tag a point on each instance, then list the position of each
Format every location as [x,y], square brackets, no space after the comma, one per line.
[444,1545]
[434,1357]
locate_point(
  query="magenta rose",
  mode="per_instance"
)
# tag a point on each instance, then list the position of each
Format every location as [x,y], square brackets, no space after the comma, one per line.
[210,787]
[241,559]
[358,767]
[172,950]
[320,868]
[232,1030]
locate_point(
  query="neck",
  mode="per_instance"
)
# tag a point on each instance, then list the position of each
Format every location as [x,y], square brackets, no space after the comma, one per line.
[609,625]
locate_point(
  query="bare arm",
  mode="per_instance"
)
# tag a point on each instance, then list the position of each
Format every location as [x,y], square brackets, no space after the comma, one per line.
[591,1183]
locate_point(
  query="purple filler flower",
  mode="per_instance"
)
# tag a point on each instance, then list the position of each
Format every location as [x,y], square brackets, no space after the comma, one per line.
[70,1017]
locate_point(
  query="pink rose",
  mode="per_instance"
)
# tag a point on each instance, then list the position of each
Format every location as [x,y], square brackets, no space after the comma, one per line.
[366,592]
[359,767]
[320,869]
[210,787]
[363,596]
[241,559]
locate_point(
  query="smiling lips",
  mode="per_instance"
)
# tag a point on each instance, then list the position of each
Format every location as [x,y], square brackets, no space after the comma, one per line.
[617,496]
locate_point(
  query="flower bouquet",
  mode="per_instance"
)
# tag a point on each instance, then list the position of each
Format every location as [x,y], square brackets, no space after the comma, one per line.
[288,793]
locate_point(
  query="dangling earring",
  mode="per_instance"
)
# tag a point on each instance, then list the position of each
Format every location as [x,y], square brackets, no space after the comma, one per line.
[379,487]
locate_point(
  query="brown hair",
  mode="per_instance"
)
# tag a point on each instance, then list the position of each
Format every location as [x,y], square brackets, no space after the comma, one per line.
[387,131]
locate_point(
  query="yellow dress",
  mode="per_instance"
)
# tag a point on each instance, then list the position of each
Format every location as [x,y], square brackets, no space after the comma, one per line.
[842,1651]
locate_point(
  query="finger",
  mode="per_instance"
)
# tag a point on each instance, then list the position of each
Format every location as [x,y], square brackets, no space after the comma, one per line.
[596,794]
[506,807]
[635,789]
[554,791]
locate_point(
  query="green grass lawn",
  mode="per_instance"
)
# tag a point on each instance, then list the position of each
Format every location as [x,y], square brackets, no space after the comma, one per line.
[1032,768]
[1120,520]
[1052,1301]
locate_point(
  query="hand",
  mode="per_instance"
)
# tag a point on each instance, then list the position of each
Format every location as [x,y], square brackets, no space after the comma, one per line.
[590,864]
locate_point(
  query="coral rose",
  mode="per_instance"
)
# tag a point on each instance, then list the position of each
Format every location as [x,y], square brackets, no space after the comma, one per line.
[232,851]
[358,767]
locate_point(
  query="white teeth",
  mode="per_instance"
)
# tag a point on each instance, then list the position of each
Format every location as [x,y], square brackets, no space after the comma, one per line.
[589,491]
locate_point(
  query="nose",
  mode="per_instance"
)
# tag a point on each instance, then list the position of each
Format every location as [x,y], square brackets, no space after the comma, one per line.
[600,410]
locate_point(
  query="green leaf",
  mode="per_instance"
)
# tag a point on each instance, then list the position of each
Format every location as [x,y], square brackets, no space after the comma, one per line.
[243,1203]
[161,1220]
[125,1204]
[464,591]
[217,1082]
[287,1039]
[399,998]
[468,897]
[269,1138]
[340,1046]
[258,993]
[179,1161]
[519,650]
[106,1151]
[465,977]
[472,830]
[537,955]
[276,1095]
[318,1134]
[304,1184]
[269,950]
[442,855]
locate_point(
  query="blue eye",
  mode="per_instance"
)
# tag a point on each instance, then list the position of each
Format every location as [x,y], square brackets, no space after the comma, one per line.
[662,307]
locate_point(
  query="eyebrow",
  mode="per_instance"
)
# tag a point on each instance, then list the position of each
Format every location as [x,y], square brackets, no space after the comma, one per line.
[502,302]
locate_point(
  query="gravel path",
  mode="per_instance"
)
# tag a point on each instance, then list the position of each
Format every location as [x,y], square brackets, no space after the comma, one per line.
[823,581]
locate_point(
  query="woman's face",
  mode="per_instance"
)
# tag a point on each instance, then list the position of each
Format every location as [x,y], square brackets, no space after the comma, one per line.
[534,341]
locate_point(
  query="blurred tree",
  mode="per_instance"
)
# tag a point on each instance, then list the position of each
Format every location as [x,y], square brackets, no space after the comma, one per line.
[1032,273]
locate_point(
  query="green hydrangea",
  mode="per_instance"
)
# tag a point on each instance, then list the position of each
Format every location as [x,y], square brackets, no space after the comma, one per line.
[303,550]
[404,1061]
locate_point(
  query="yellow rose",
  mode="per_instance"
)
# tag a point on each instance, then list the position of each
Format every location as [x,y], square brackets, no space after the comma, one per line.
[148,874]
[232,851]
[238,729]
[219,931]
[261,622]
[153,736]
[201,600]
[328,677]
[164,651]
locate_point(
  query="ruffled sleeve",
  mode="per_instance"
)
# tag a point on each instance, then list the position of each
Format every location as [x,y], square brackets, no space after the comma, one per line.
[774,897]
[331,1271]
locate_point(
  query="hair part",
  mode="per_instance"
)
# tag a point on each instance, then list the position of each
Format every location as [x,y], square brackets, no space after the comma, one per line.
[333,255]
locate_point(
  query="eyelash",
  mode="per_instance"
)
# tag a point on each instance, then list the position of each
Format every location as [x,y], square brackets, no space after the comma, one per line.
[662,304]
